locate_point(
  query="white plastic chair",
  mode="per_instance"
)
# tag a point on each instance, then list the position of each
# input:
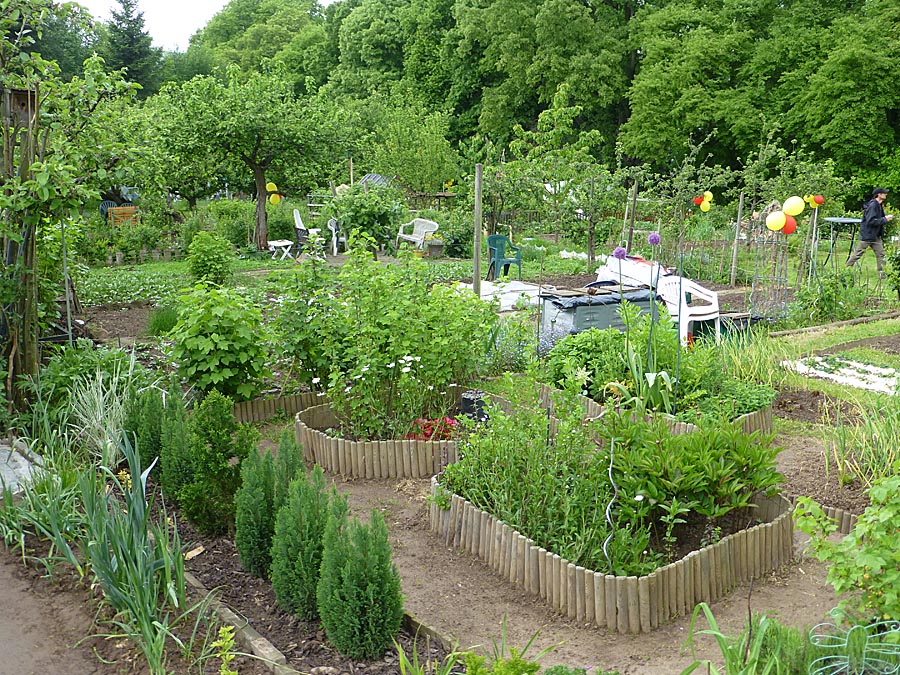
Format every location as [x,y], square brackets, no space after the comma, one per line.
[674,291]
[420,228]
[336,236]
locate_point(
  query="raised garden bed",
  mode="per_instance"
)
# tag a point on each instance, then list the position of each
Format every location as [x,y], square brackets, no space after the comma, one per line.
[626,604]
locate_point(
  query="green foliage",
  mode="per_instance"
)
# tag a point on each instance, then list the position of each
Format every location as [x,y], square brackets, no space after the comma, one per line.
[233,220]
[892,267]
[215,440]
[74,363]
[554,487]
[107,285]
[864,563]
[217,342]
[512,346]
[366,210]
[136,561]
[731,398]
[598,352]
[832,297]
[299,540]
[144,421]
[866,448]
[210,258]
[254,519]
[358,595]
[176,462]
[162,320]
[126,44]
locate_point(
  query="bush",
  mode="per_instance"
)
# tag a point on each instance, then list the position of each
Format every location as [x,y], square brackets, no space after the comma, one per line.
[210,258]
[288,465]
[298,541]
[368,210]
[598,352]
[214,440]
[217,342]
[832,297]
[254,520]
[359,596]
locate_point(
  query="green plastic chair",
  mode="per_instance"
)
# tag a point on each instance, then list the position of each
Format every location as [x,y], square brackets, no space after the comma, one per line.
[497,248]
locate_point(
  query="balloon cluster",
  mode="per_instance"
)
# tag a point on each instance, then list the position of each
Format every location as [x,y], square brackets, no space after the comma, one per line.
[274,195]
[784,221]
[703,201]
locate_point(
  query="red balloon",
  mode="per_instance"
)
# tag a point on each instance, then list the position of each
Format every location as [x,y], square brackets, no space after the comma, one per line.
[790,225]
[698,200]
[819,199]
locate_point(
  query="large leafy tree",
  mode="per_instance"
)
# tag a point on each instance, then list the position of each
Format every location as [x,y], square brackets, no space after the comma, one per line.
[68,36]
[59,146]
[125,44]
[257,127]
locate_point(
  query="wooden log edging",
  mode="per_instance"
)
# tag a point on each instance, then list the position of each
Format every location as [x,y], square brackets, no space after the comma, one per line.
[758,420]
[262,409]
[367,459]
[623,604]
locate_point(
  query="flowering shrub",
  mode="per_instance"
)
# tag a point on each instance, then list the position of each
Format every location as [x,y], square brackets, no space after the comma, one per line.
[392,340]
[440,429]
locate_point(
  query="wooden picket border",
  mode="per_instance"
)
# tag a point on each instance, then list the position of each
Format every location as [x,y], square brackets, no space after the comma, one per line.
[399,458]
[262,409]
[625,604]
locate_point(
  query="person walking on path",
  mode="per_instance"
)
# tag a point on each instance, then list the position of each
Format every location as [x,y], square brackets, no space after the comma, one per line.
[871,230]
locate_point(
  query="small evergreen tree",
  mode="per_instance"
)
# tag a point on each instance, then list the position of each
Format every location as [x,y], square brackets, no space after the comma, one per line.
[298,541]
[176,467]
[359,596]
[144,423]
[215,441]
[288,465]
[254,518]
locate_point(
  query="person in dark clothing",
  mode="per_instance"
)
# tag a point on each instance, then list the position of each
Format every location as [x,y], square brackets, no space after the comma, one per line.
[871,230]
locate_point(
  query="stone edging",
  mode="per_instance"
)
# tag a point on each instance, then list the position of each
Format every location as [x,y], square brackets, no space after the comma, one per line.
[624,604]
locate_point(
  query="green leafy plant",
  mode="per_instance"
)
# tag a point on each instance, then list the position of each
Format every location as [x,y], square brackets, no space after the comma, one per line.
[210,258]
[366,210]
[215,441]
[831,297]
[224,647]
[743,656]
[864,564]
[358,595]
[595,351]
[299,539]
[217,342]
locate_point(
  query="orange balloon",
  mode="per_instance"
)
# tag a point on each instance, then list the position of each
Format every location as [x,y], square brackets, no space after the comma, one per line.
[790,225]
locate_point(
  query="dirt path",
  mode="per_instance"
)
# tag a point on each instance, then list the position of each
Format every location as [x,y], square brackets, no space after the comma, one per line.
[38,631]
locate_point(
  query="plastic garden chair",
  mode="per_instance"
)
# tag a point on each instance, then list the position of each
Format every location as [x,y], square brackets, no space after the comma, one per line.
[498,245]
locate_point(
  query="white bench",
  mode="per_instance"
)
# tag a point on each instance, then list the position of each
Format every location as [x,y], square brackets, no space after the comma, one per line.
[420,228]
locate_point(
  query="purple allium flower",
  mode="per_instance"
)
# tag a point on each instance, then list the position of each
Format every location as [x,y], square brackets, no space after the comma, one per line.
[619,253]
[653,239]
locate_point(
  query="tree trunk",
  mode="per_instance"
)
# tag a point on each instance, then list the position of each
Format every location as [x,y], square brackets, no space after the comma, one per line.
[261,232]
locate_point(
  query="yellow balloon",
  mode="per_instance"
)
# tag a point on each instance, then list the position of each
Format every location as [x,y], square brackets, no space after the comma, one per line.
[793,206]
[775,220]
[704,206]
[708,196]
[275,199]
[271,187]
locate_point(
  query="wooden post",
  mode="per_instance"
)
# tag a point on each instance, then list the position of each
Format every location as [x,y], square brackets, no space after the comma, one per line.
[476,268]
[737,232]
[631,219]
[589,603]
[644,603]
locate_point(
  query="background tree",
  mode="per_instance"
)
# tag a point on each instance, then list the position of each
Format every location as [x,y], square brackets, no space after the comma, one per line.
[68,36]
[257,127]
[125,44]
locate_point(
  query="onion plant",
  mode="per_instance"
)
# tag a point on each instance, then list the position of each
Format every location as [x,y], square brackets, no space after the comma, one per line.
[865,446]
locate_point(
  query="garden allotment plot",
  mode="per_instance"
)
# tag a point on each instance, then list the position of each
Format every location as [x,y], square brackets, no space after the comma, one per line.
[846,371]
